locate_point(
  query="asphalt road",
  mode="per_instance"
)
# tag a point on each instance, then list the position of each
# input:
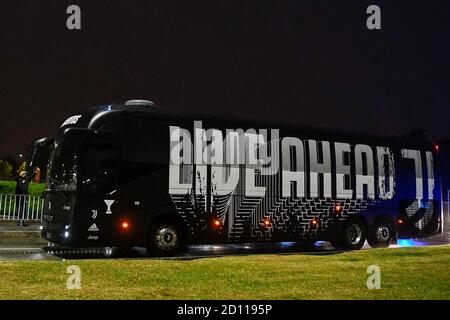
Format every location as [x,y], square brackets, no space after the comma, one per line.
[18,251]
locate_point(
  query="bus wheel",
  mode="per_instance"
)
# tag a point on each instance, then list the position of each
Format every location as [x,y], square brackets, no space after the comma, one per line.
[165,238]
[381,235]
[353,236]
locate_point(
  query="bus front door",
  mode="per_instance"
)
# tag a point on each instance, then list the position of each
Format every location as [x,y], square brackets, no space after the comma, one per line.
[97,187]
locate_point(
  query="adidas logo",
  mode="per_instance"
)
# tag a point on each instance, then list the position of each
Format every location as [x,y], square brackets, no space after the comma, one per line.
[93,228]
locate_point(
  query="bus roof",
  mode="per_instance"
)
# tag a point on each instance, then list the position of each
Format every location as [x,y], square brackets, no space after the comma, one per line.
[95,117]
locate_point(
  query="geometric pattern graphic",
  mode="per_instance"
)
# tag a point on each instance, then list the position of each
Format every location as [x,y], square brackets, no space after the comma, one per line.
[245,215]
[288,216]
[293,217]
[422,211]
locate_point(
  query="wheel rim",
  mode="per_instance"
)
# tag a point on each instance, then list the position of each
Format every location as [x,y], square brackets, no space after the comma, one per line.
[354,234]
[383,233]
[166,238]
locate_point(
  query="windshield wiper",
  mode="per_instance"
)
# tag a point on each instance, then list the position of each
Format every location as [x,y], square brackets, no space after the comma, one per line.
[57,187]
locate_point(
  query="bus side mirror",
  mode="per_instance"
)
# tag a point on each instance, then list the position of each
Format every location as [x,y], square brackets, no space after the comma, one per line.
[38,155]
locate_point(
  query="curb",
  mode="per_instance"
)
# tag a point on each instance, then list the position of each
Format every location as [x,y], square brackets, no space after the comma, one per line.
[28,237]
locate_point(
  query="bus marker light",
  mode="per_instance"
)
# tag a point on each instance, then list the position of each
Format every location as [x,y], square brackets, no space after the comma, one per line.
[216,223]
[338,208]
[267,222]
[436,147]
[125,225]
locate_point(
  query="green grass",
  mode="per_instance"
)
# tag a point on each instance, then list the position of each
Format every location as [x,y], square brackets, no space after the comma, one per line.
[406,273]
[9,186]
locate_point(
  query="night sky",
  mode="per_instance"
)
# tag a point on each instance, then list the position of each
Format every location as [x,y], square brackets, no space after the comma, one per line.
[300,62]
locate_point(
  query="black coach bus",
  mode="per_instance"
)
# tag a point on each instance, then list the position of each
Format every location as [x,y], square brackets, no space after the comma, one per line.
[134,174]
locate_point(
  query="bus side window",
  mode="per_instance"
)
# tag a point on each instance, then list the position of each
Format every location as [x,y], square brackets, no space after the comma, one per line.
[145,141]
[100,169]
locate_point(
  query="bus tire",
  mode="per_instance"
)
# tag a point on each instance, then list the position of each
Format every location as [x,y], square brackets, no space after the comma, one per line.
[381,234]
[353,236]
[165,238]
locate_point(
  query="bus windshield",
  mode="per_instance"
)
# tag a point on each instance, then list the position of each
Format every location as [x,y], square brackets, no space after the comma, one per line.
[62,170]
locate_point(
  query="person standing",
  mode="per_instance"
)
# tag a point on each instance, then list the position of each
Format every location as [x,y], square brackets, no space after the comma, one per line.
[22,182]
